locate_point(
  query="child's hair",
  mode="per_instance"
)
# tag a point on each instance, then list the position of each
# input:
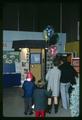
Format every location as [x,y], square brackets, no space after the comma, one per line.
[56,61]
[40,83]
[63,59]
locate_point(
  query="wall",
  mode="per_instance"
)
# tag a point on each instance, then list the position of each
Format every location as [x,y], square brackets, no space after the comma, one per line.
[73,47]
[9,36]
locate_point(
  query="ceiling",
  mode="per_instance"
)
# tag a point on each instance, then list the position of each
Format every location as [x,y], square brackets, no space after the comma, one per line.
[35,16]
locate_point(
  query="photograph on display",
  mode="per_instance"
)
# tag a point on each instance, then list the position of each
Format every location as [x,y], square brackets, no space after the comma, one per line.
[23,64]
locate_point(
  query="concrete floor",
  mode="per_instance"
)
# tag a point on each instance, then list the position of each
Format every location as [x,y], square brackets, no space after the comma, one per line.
[13,105]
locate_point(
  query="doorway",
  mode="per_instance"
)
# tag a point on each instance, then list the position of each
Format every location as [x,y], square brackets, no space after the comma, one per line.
[36,63]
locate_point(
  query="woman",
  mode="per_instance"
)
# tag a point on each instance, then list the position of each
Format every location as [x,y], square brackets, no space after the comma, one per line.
[53,79]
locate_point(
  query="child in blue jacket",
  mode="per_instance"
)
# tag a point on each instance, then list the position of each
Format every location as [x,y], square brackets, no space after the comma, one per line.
[28,87]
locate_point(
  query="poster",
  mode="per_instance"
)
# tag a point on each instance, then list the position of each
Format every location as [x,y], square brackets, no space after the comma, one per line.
[11,57]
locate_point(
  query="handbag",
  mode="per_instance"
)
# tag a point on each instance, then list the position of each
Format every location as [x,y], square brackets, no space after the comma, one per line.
[49,93]
[70,89]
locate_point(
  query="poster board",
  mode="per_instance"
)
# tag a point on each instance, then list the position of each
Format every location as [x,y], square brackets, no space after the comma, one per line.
[11,56]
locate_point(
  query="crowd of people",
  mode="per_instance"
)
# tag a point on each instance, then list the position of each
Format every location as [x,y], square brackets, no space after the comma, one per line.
[59,81]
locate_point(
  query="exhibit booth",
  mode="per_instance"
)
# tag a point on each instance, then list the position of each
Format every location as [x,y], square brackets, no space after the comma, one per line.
[27,52]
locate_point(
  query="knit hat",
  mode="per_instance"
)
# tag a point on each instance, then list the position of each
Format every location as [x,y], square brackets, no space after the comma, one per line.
[29,75]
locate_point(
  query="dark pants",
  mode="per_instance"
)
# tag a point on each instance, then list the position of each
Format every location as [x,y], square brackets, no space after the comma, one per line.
[28,104]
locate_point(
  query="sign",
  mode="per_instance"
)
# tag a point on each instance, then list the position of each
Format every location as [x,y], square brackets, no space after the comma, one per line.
[75,63]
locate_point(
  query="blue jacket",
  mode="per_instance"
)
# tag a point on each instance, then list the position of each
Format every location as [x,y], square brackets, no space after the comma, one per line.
[28,87]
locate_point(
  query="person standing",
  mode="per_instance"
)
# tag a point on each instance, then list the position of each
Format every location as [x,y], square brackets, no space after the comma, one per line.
[28,88]
[53,83]
[67,77]
[40,99]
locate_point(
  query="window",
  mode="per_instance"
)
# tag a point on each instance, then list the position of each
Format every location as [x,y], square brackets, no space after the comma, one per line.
[35,58]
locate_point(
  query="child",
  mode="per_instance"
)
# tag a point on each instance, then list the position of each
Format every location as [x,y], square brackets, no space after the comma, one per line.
[40,99]
[28,87]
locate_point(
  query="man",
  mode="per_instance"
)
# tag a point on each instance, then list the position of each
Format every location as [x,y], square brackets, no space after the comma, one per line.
[67,77]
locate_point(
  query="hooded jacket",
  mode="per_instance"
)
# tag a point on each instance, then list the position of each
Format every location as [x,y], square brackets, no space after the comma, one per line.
[28,87]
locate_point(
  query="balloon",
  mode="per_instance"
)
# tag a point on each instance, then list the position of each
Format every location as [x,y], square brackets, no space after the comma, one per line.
[48,32]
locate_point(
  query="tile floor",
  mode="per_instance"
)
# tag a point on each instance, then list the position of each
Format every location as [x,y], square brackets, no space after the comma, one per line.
[13,105]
